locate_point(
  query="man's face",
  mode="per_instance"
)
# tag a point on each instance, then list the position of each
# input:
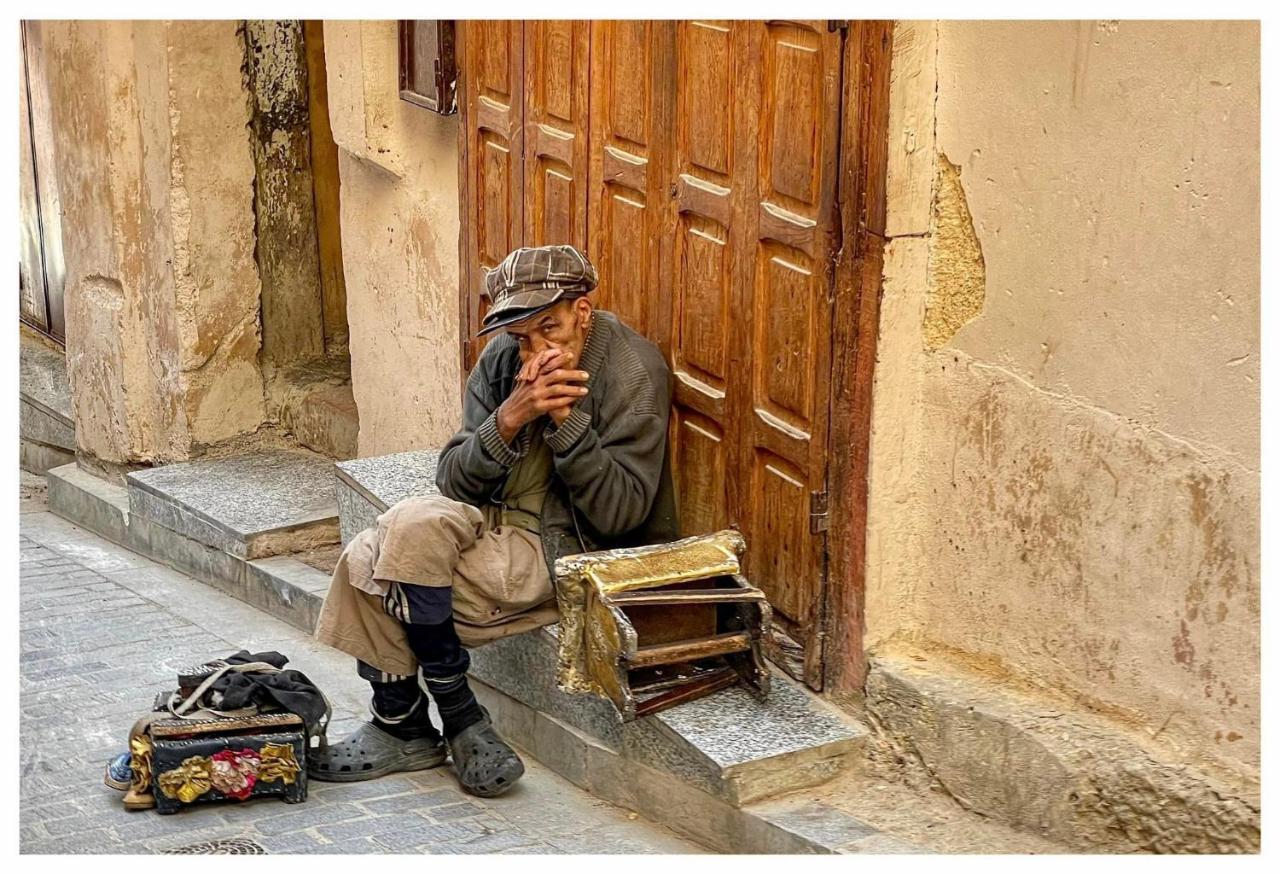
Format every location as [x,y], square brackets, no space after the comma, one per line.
[563,326]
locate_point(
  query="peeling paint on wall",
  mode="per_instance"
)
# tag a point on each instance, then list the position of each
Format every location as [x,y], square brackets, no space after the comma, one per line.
[957,272]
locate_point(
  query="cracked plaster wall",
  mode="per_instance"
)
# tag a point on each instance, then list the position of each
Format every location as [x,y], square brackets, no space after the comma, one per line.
[1065,440]
[156,174]
[399,169]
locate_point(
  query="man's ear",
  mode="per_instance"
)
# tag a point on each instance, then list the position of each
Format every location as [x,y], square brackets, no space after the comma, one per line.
[582,309]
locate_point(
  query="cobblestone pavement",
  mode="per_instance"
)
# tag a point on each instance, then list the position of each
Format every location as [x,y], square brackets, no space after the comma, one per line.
[103,629]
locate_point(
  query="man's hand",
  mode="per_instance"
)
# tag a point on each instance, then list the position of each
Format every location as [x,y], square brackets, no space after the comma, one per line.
[544,386]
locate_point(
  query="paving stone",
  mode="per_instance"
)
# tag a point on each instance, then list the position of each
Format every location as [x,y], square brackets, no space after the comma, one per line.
[107,643]
[98,840]
[417,800]
[306,841]
[427,835]
[492,843]
[366,789]
[304,816]
[371,826]
[451,812]
[356,846]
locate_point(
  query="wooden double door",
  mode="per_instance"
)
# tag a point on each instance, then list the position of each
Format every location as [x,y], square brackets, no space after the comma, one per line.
[696,163]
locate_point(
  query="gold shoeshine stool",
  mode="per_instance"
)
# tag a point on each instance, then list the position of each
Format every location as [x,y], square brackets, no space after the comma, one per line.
[655,626]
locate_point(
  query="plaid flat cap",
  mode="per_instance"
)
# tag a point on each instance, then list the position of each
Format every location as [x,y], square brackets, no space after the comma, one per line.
[531,279]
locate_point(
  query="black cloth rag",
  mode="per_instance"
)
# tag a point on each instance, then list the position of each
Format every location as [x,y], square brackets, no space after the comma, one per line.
[289,689]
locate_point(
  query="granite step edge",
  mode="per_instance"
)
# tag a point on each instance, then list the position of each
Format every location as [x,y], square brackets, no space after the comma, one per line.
[279,585]
[779,826]
[41,406]
[329,515]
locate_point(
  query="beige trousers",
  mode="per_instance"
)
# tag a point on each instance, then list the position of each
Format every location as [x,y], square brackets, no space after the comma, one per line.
[500,581]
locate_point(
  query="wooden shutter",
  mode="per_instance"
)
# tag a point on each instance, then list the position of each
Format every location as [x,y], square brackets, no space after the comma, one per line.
[491,57]
[428,65]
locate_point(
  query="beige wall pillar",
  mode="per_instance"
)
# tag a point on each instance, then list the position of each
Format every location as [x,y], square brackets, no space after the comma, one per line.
[156,178]
[399,170]
[1065,451]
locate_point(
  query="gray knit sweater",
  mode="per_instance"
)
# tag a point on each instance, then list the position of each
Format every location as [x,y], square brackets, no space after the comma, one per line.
[612,483]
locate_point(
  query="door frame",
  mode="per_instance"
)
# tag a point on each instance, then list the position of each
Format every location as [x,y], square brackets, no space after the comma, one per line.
[864,153]
[860,202]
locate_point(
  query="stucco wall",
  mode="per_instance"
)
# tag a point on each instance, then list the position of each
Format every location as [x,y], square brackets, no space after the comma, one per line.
[156,179]
[398,165]
[1065,449]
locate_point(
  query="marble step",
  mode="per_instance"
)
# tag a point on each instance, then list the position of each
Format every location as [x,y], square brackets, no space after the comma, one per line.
[249,506]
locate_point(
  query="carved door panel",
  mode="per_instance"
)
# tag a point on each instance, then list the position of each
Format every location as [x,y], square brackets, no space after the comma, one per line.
[631,72]
[704,230]
[555,126]
[752,229]
[701,173]
[782,302]
[491,65]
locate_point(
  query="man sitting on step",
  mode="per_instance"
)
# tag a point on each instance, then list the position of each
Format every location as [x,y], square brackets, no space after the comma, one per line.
[563,449]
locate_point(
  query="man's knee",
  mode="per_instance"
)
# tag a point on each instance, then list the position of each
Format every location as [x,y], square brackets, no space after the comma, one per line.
[419,605]
[434,516]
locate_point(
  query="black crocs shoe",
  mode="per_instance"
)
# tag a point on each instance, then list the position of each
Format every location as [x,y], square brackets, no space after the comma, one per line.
[371,752]
[485,764]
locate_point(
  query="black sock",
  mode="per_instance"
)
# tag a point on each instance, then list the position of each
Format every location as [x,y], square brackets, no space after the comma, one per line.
[457,703]
[444,663]
[400,709]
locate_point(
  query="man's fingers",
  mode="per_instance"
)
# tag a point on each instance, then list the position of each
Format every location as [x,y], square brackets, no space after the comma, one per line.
[554,358]
[562,389]
[533,366]
[558,403]
[563,375]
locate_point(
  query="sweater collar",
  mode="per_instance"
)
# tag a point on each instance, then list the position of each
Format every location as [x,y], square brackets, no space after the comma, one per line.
[596,348]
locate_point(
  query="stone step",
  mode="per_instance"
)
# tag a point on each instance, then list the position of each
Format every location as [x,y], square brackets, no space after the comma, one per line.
[368,486]
[45,426]
[795,824]
[249,506]
[716,769]
[281,585]
[729,745]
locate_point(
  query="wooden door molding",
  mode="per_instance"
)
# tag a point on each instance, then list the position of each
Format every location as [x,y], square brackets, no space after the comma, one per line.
[864,159]
[491,161]
[632,68]
[556,105]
